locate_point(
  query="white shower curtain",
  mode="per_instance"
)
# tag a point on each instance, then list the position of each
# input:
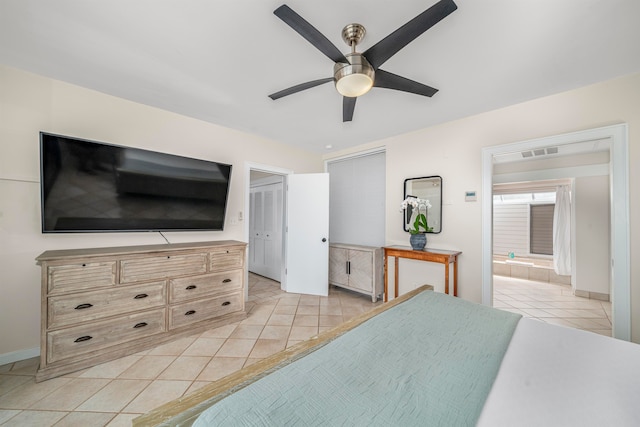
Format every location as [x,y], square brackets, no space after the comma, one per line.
[562,231]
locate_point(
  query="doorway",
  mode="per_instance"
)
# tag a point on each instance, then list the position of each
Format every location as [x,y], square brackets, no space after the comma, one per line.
[304,250]
[618,149]
[264,174]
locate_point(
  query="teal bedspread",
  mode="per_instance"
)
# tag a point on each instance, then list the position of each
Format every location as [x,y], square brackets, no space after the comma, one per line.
[430,361]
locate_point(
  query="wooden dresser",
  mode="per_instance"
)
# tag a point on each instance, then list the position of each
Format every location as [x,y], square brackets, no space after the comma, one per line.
[104,303]
[356,267]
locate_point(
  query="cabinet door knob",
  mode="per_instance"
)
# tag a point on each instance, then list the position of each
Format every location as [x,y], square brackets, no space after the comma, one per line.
[190,312]
[324,239]
[83,306]
[190,287]
[140,296]
[226,280]
[140,325]
[84,338]
[226,303]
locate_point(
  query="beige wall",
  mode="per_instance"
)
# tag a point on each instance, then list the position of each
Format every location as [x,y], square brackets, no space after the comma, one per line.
[30,104]
[453,150]
[591,204]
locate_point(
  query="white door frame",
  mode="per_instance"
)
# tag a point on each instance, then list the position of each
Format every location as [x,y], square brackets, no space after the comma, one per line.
[619,186]
[248,167]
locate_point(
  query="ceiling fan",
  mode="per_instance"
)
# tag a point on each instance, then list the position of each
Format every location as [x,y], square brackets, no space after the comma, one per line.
[356,73]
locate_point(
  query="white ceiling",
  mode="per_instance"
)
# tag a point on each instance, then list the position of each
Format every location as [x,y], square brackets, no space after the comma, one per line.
[217,60]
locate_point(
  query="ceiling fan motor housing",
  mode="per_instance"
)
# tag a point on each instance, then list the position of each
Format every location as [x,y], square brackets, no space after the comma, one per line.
[353,79]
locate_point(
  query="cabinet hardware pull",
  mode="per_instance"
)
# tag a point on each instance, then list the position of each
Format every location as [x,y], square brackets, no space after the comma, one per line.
[84,265]
[190,287]
[140,325]
[190,312]
[226,280]
[168,257]
[140,296]
[226,303]
[84,338]
[81,306]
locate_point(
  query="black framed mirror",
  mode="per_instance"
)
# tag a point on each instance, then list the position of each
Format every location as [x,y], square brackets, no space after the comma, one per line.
[426,189]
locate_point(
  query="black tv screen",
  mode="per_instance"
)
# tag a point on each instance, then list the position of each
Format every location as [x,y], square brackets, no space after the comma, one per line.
[89,186]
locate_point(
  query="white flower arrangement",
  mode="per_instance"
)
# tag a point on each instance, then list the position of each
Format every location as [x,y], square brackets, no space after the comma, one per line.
[421,218]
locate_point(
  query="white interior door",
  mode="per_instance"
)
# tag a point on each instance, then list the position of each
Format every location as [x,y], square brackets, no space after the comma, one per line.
[265,231]
[307,234]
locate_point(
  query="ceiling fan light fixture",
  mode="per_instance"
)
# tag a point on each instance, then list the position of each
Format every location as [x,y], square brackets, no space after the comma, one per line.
[353,79]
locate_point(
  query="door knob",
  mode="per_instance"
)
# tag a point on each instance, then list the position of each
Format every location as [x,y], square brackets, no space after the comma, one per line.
[324,239]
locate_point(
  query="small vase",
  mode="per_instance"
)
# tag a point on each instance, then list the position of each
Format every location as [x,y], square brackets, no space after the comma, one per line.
[418,241]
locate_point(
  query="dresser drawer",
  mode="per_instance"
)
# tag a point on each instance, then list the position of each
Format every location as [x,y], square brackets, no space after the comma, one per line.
[80,275]
[196,311]
[64,310]
[187,288]
[97,336]
[230,259]
[161,266]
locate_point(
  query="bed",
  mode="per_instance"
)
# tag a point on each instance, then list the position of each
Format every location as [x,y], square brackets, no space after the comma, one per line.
[427,359]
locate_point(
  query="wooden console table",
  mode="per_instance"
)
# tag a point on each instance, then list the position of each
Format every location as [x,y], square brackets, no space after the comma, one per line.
[431,255]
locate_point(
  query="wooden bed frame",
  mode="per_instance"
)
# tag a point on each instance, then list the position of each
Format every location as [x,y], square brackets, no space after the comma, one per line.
[185,410]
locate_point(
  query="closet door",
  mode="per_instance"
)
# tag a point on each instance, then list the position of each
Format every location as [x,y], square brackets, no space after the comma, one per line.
[265,231]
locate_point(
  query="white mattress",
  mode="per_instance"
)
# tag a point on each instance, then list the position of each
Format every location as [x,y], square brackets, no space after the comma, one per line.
[557,376]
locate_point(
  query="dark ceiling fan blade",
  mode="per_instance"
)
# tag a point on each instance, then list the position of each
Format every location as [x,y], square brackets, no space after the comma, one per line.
[299,88]
[379,53]
[310,33]
[393,81]
[348,105]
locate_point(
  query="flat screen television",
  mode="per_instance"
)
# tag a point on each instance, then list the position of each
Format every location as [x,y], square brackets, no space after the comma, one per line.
[89,186]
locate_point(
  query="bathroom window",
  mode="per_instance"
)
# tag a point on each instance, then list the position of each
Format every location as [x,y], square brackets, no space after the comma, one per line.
[523,222]
[541,228]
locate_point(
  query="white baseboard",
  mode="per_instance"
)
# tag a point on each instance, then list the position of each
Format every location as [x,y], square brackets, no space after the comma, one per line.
[16,356]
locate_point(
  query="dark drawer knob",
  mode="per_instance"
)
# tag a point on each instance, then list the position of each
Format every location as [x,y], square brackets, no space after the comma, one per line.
[83,306]
[190,312]
[190,287]
[140,325]
[226,303]
[226,280]
[140,296]
[84,338]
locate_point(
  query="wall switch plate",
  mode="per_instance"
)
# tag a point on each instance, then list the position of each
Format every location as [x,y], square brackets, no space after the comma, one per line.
[470,196]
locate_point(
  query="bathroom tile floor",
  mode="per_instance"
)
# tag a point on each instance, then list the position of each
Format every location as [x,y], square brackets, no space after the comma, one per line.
[551,303]
[116,392]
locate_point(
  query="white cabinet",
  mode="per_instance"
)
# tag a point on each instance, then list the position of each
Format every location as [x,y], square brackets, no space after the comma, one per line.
[355,267]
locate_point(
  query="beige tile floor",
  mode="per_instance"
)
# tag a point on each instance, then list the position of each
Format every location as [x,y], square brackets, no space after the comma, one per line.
[114,393]
[551,303]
